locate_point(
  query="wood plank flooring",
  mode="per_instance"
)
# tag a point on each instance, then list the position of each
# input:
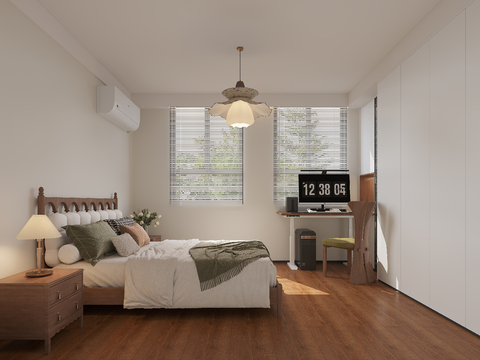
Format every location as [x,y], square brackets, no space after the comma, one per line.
[323,318]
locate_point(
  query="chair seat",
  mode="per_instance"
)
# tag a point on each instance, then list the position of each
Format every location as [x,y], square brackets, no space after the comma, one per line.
[343,243]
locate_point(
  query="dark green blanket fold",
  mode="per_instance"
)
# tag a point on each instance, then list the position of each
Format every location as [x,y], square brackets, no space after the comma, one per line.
[217,263]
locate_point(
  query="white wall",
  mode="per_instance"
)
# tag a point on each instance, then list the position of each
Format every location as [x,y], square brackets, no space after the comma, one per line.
[50,134]
[256,219]
[472,149]
[428,137]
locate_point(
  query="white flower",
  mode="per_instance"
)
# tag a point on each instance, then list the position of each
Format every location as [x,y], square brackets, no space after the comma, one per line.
[159,216]
[148,215]
[157,223]
[141,222]
[140,214]
[132,216]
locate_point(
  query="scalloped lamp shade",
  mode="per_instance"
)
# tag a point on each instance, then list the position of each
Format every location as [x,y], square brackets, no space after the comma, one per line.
[240,110]
[39,227]
[235,106]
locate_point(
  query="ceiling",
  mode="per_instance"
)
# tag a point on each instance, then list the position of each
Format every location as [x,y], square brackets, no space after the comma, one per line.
[189,47]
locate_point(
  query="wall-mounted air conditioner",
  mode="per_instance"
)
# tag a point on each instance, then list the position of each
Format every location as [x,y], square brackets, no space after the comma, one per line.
[115,106]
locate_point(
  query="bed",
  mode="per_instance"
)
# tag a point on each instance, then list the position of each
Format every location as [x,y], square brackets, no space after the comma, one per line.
[109,282]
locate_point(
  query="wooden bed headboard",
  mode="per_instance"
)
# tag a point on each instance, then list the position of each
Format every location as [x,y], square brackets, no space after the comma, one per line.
[56,202]
[71,205]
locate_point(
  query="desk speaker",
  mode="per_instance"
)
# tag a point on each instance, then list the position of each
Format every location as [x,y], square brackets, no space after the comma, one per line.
[292,204]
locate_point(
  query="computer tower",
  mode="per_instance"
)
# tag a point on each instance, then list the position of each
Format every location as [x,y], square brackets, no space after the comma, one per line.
[305,249]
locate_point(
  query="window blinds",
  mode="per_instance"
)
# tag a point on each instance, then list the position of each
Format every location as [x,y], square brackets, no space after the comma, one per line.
[306,139]
[206,159]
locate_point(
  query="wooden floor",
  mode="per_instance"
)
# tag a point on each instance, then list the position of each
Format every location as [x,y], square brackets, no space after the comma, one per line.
[324,318]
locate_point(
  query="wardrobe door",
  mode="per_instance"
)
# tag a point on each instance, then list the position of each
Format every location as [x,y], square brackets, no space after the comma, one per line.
[388,179]
[415,158]
[447,170]
[473,166]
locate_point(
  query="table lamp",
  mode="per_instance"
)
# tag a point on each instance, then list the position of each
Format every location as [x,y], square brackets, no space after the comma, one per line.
[39,227]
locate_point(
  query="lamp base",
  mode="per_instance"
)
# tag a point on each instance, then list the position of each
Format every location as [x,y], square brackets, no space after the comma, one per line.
[36,273]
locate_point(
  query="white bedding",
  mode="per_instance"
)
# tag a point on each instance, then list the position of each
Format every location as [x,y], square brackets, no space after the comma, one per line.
[109,272]
[172,271]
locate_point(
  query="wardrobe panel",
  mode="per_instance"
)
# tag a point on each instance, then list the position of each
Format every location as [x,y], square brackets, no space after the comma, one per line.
[415,176]
[388,178]
[447,170]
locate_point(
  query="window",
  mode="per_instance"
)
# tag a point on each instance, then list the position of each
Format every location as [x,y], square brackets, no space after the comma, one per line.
[306,139]
[206,159]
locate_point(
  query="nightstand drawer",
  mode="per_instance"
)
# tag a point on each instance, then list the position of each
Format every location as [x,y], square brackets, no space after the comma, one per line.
[61,312]
[65,289]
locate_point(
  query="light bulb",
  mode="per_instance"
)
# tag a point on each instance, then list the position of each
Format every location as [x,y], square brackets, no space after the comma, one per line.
[240,115]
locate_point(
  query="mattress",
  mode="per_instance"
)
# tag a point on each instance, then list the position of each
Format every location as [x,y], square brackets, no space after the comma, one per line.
[110,271]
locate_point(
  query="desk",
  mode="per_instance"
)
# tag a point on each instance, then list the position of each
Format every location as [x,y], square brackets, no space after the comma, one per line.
[293,216]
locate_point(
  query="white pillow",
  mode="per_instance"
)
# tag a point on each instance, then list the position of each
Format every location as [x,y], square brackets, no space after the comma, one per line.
[69,254]
[125,244]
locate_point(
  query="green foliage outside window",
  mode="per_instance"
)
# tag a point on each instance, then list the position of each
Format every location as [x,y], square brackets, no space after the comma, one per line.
[306,139]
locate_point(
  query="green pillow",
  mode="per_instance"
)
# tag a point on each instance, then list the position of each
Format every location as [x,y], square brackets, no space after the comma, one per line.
[93,241]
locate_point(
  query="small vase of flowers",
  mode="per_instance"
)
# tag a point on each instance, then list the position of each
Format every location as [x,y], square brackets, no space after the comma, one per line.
[145,218]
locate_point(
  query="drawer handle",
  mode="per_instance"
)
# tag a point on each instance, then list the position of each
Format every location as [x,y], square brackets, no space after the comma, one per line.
[76,304]
[59,295]
[59,317]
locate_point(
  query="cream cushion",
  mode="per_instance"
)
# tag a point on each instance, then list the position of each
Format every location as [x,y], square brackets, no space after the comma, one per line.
[125,245]
[69,254]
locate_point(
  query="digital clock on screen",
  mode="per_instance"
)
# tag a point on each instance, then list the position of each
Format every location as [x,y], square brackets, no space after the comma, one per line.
[324,188]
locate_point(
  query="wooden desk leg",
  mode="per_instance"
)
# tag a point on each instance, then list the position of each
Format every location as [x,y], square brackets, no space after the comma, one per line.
[80,322]
[291,263]
[350,227]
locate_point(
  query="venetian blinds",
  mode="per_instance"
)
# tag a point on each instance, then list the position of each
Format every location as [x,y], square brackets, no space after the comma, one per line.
[206,159]
[306,139]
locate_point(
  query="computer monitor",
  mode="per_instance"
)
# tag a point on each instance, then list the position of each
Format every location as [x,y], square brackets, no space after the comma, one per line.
[326,187]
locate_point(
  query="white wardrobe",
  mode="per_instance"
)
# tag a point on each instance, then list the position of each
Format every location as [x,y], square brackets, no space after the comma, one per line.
[428,172]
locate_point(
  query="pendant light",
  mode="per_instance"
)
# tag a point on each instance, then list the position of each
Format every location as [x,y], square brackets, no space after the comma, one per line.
[240,110]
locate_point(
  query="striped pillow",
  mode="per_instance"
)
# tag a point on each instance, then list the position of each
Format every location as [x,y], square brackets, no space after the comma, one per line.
[115,223]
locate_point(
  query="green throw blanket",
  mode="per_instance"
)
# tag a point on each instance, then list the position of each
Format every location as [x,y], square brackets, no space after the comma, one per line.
[217,263]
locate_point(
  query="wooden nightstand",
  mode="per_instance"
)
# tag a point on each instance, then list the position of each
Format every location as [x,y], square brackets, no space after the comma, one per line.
[155,237]
[38,308]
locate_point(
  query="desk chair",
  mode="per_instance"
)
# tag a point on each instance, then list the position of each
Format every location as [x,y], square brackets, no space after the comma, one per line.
[360,269]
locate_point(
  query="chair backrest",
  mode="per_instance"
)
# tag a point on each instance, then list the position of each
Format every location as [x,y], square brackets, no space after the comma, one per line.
[362,270]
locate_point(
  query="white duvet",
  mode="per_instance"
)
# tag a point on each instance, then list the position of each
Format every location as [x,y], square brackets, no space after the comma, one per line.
[163,275]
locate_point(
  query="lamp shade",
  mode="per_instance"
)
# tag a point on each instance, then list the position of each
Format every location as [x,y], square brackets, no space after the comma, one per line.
[235,95]
[240,110]
[240,115]
[38,227]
